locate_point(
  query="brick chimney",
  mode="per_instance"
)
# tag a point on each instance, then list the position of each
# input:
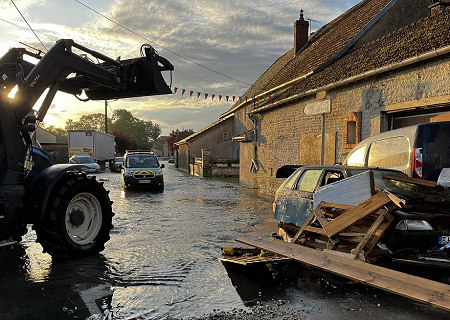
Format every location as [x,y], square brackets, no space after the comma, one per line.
[438,6]
[301,28]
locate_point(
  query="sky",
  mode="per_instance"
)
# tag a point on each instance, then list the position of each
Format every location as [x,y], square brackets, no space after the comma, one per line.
[238,40]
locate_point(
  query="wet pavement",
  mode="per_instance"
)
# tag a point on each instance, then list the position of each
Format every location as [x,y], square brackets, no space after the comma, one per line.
[162,261]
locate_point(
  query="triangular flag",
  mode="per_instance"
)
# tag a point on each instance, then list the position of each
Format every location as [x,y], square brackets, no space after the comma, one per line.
[227,97]
[190,93]
[220,97]
[246,99]
[212,96]
[198,94]
[258,97]
[176,89]
[270,97]
[234,97]
[206,96]
[183,91]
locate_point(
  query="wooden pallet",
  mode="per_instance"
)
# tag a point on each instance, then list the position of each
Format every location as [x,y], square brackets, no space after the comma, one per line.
[254,260]
[351,230]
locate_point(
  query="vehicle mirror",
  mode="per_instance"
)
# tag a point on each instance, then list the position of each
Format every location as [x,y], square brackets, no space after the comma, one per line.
[162,166]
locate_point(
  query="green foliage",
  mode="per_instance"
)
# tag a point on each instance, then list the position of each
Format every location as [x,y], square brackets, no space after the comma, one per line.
[144,132]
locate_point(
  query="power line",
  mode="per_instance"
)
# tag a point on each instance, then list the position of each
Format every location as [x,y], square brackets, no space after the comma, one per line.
[29,25]
[179,55]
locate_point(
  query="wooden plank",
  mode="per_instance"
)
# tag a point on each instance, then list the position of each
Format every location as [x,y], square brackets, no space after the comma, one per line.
[254,260]
[416,288]
[314,230]
[406,179]
[326,204]
[320,217]
[307,222]
[351,216]
[370,233]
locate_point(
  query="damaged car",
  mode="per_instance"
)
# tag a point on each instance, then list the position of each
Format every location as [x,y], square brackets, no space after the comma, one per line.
[419,232]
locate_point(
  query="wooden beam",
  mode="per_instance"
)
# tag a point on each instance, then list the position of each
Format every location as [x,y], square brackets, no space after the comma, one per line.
[356,213]
[416,288]
[370,233]
[406,179]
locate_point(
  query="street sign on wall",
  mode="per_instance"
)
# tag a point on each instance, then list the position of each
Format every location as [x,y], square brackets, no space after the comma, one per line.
[317,107]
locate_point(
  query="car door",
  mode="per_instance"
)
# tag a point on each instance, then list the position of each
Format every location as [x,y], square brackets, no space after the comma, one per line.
[294,202]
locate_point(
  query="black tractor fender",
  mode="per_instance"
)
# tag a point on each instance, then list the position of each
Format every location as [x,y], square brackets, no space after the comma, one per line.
[38,193]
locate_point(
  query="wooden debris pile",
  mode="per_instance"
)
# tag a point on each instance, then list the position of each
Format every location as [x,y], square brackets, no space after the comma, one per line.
[351,231]
[250,256]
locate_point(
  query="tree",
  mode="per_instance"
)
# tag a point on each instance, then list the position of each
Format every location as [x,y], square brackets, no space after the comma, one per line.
[60,133]
[93,121]
[124,142]
[144,131]
[174,134]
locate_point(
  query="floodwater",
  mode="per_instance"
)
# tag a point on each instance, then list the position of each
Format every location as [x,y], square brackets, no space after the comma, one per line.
[162,261]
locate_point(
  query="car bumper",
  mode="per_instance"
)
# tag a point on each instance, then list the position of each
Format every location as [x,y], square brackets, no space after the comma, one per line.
[156,182]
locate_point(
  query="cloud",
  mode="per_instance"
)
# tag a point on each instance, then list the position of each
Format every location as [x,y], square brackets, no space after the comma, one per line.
[236,38]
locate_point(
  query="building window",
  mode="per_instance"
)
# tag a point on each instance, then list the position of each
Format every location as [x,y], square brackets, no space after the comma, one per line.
[225,135]
[351,132]
[352,129]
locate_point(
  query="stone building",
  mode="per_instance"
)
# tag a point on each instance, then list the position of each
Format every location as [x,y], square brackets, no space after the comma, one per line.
[217,138]
[381,65]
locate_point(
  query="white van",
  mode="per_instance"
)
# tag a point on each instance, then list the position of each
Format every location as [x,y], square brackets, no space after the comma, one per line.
[420,151]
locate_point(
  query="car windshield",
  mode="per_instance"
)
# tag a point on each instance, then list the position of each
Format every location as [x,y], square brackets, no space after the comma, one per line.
[85,160]
[142,161]
[119,159]
[396,187]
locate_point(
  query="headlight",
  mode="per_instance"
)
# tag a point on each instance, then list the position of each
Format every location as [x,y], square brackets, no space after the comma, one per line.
[420,225]
[128,173]
[158,172]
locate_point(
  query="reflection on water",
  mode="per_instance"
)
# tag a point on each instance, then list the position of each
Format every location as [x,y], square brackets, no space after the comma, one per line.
[161,259]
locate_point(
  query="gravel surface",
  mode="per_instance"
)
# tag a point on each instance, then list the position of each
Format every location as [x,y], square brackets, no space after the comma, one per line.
[259,312]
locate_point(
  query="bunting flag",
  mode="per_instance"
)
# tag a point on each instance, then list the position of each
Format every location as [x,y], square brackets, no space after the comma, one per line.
[228,98]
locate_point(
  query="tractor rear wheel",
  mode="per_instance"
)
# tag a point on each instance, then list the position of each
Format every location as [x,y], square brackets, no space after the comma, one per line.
[78,218]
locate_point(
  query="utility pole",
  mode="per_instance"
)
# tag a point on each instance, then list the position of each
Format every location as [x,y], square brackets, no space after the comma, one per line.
[106,116]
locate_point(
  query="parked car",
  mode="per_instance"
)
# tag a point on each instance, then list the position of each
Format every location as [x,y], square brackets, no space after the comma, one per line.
[89,164]
[171,160]
[416,228]
[141,168]
[420,151]
[116,164]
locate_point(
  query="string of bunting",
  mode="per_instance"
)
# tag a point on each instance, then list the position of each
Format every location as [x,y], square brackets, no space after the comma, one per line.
[227,98]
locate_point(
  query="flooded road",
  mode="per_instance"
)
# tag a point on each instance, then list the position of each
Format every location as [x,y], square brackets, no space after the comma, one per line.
[162,260]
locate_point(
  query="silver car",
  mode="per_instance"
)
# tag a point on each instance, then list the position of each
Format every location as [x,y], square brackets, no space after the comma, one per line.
[89,164]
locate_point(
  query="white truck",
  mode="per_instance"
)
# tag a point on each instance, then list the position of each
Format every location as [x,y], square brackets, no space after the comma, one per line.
[100,146]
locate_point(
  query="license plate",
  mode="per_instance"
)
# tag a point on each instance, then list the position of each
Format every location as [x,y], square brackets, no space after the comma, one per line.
[145,181]
[444,239]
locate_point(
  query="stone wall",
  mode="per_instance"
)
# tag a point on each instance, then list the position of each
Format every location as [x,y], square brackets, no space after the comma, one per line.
[183,157]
